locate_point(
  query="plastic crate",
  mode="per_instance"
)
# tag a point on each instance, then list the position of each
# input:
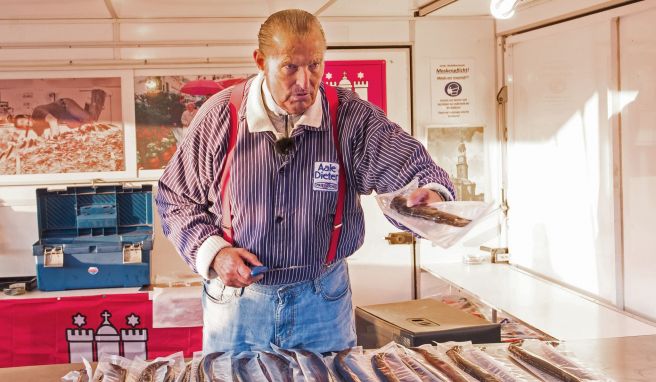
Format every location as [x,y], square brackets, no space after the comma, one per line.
[94,237]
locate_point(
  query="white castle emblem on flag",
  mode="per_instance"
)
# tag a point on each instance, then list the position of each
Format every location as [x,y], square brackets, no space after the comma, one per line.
[361,86]
[129,343]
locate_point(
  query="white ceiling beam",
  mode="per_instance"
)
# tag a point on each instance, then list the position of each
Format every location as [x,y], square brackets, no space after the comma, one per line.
[124,63]
[110,9]
[325,6]
[126,44]
[194,20]
[431,7]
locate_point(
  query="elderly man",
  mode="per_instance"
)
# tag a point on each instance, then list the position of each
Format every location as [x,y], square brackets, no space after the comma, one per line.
[292,186]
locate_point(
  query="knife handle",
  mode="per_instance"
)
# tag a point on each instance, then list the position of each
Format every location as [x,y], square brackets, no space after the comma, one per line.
[256,271]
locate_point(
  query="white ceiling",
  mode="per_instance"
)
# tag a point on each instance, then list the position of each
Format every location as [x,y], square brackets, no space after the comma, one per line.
[148,9]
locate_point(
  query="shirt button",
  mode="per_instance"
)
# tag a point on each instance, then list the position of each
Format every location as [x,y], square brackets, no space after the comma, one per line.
[278,219]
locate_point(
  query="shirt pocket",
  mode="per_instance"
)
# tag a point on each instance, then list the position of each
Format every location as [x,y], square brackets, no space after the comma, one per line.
[324,203]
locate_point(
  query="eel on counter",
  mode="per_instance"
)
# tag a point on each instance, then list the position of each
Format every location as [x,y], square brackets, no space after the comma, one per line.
[542,364]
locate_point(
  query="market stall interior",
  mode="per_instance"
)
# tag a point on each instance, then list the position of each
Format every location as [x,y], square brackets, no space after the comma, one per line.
[536,266]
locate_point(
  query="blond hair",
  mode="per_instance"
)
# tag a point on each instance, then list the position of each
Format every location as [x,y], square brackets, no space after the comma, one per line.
[296,22]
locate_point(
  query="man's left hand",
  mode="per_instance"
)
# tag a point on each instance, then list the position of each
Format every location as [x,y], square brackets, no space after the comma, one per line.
[423,196]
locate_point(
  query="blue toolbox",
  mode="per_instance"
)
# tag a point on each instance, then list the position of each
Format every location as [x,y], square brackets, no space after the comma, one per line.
[98,236]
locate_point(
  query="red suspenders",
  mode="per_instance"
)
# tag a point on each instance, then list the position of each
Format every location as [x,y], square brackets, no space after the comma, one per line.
[333,103]
[226,210]
[226,218]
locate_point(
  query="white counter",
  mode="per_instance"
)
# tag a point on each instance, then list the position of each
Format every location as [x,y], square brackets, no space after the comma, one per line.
[72,293]
[551,308]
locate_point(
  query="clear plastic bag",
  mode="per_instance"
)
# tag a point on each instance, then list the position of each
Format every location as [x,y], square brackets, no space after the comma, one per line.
[193,367]
[351,362]
[82,375]
[313,366]
[112,368]
[292,359]
[439,351]
[420,367]
[560,358]
[306,365]
[275,365]
[501,370]
[177,307]
[386,360]
[215,366]
[441,234]
[161,368]
[246,367]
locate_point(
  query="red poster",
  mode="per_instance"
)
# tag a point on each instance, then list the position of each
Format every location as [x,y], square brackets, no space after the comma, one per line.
[366,78]
[61,330]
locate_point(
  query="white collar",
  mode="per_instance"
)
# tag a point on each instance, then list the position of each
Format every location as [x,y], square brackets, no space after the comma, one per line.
[257,118]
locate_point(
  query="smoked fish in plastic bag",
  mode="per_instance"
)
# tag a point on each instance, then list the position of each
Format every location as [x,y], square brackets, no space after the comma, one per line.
[443,223]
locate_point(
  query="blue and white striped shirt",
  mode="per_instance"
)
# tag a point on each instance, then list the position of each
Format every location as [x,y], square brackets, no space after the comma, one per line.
[277,215]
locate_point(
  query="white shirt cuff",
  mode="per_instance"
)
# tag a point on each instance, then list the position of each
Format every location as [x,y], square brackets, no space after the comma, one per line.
[440,189]
[206,254]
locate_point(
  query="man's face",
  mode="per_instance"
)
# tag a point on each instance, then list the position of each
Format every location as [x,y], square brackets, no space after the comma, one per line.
[293,70]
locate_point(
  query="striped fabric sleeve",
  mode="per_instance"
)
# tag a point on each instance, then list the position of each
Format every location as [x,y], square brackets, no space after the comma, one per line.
[386,158]
[184,190]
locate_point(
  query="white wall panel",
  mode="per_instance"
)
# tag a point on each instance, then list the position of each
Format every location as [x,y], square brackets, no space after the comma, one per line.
[560,181]
[460,39]
[192,52]
[48,54]
[18,231]
[544,10]
[180,31]
[369,8]
[454,38]
[61,9]
[55,32]
[367,32]
[638,97]
[209,8]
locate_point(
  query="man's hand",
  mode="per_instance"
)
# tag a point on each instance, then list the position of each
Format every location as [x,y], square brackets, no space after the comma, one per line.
[231,264]
[422,196]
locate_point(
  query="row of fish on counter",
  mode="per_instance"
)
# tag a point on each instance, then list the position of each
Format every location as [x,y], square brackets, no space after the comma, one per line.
[457,362]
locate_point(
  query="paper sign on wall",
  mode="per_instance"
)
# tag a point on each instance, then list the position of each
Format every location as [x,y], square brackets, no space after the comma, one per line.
[452,91]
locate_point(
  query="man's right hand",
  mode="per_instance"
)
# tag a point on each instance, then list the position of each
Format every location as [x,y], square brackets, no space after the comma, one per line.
[232,266]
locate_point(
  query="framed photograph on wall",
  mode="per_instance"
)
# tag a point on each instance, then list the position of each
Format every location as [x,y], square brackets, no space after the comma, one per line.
[165,102]
[62,126]
[460,151]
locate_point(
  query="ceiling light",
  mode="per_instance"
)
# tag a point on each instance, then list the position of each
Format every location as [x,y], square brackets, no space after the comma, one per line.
[503,9]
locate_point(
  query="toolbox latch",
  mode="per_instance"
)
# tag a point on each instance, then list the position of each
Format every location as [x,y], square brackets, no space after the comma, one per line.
[53,257]
[132,253]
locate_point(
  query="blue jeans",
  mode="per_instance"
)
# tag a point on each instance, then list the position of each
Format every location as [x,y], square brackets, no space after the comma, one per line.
[316,315]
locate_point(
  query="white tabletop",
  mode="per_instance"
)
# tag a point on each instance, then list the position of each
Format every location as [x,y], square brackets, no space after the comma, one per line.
[71,293]
[551,308]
